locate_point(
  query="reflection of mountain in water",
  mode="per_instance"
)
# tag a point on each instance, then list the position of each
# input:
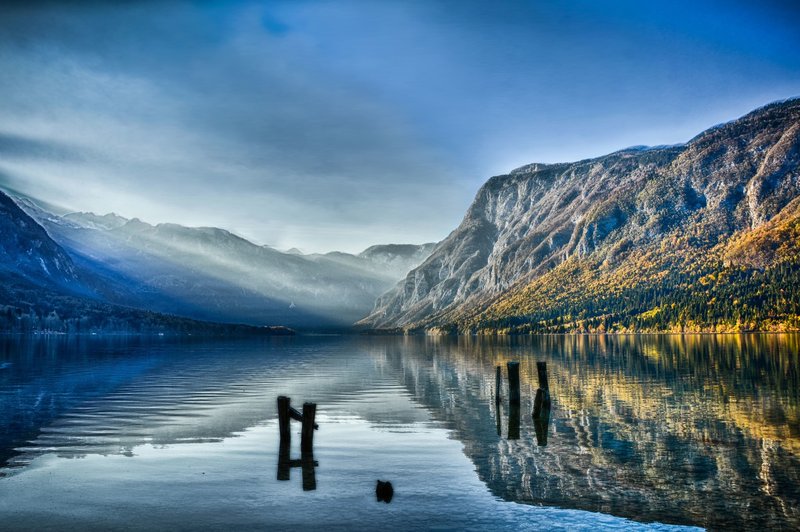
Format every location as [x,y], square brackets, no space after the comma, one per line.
[107,395]
[702,430]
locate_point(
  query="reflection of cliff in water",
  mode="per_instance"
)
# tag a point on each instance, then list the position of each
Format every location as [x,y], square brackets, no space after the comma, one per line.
[684,429]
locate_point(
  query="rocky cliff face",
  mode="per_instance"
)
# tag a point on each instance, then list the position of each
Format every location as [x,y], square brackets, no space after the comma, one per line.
[731,178]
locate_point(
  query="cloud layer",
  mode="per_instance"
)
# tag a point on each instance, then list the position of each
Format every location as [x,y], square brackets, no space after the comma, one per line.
[338,125]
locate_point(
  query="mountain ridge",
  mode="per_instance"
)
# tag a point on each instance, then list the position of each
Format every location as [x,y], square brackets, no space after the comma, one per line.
[44,291]
[212,274]
[541,217]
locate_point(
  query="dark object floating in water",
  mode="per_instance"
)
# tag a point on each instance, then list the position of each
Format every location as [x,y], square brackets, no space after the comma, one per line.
[384,491]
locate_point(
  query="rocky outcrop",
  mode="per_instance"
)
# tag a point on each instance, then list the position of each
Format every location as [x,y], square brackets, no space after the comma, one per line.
[521,225]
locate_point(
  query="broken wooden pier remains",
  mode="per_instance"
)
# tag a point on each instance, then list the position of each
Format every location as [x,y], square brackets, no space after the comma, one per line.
[541,405]
[286,413]
[285,464]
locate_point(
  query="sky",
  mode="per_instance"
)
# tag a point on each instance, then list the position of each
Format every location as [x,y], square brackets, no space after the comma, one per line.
[335,125]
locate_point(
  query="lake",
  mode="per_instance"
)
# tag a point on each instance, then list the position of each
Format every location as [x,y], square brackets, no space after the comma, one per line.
[115,433]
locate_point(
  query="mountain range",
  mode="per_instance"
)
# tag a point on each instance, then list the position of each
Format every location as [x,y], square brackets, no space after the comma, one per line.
[701,236]
[43,289]
[200,273]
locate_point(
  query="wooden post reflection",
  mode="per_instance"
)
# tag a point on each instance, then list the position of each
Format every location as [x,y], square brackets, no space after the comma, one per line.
[284,462]
[498,382]
[306,463]
[513,421]
[498,415]
[309,472]
[541,405]
[541,424]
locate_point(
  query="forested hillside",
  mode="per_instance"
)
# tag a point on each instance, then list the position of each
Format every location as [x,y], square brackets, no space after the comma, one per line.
[701,236]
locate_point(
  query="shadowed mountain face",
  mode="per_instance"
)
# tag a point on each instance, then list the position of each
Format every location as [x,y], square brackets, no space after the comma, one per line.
[605,241]
[43,289]
[211,274]
[26,250]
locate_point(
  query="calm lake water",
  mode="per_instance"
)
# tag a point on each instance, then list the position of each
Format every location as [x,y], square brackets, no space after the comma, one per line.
[131,434]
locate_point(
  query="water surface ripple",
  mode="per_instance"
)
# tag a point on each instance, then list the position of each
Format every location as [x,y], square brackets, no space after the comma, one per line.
[690,430]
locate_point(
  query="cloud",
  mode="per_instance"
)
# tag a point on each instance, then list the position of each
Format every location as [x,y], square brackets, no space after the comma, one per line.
[20,147]
[212,118]
[347,124]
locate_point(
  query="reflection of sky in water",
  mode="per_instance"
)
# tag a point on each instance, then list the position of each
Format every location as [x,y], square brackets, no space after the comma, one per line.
[230,485]
[659,428]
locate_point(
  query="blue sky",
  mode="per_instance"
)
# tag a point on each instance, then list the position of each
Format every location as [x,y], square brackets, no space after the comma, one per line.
[337,125]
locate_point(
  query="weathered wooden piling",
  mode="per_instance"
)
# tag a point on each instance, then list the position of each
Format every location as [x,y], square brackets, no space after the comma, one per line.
[541,370]
[287,413]
[298,416]
[513,382]
[307,431]
[541,405]
[285,464]
[283,418]
[498,382]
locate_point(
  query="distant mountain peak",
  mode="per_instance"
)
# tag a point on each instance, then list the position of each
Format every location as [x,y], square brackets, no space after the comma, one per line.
[91,220]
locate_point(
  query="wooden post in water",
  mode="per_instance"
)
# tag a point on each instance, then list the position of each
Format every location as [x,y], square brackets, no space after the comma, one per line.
[513,382]
[298,416]
[541,405]
[498,382]
[285,464]
[307,432]
[541,370]
[283,419]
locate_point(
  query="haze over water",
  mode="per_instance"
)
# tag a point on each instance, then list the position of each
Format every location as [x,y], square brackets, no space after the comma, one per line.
[121,433]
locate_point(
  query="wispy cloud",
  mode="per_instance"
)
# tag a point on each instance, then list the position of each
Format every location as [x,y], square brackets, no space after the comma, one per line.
[339,125]
[19,147]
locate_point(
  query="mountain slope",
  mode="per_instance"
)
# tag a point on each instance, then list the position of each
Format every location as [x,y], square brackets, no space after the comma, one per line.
[613,241]
[211,274]
[28,251]
[388,262]
[43,289]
